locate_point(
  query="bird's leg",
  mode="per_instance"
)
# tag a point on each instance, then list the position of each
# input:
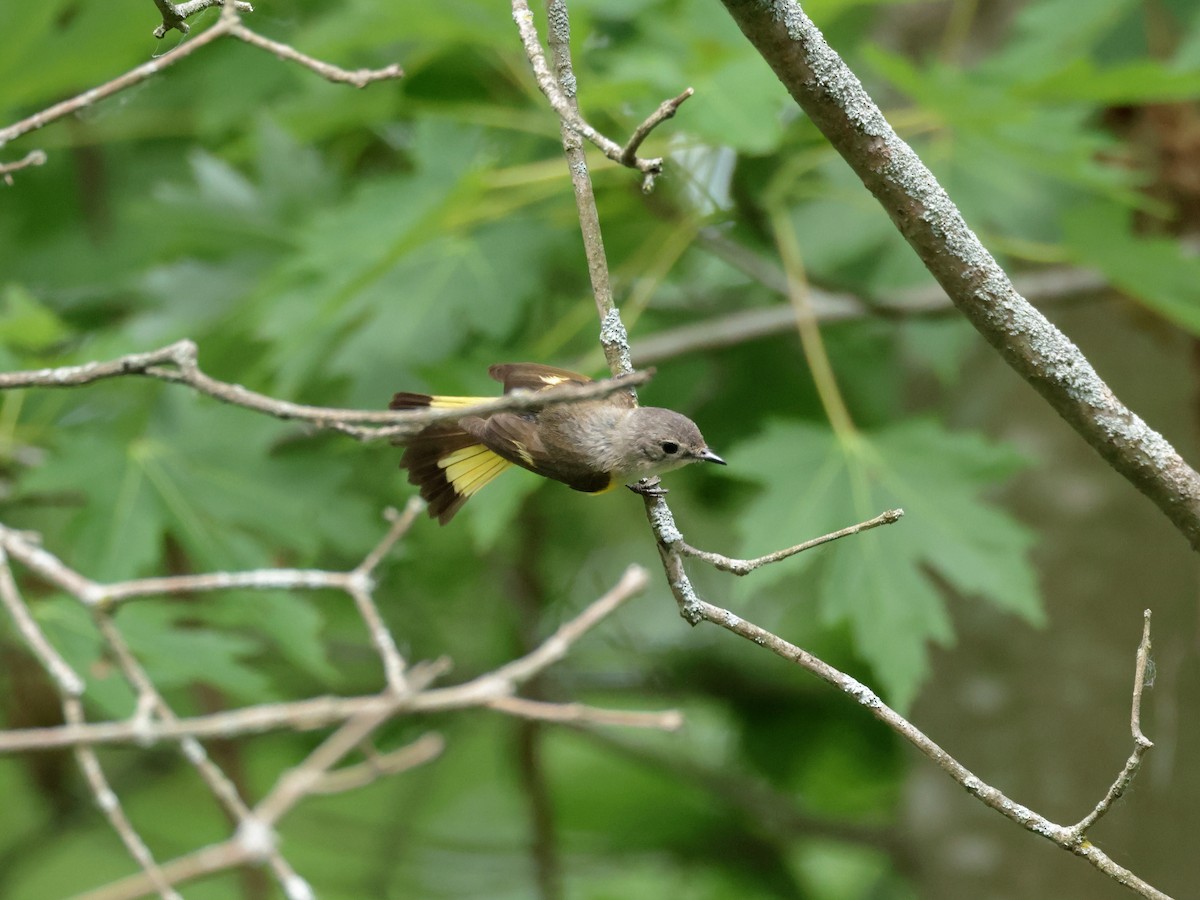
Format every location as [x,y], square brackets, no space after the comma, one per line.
[649,487]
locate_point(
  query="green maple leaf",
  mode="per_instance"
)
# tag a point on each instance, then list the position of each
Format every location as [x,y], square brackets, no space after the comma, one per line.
[883,583]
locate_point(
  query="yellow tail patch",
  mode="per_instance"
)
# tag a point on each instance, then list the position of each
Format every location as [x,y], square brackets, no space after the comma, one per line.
[472,467]
[457,402]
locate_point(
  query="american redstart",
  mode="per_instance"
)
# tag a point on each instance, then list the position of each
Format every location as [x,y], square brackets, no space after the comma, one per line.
[591,446]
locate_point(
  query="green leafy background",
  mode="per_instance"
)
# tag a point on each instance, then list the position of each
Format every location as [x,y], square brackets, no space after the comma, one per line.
[330,246]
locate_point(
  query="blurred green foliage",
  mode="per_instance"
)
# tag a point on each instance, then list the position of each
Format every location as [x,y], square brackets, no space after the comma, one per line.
[331,246]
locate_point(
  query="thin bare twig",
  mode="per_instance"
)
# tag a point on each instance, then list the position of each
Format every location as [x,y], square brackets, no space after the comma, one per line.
[562,96]
[632,582]
[178,364]
[401,523]
[1141,743]
[227,24]
[134,76]
[294,785]
[207,861]
[299,715]
[581,714]
[357,718]
[614,340]
[1056,284]
[424,749]
[360,78]
[110,805]
[359,587]
[319,712]
[746,566]
[66,679]
[666,110]
[32,158]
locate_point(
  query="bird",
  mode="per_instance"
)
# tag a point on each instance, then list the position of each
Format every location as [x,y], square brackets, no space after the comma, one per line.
[592,445]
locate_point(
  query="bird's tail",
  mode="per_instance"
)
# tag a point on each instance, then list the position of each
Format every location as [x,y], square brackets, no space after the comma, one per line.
[446,463]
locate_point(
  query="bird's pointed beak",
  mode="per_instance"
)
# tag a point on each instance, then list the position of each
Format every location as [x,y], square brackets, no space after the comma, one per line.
[708,456]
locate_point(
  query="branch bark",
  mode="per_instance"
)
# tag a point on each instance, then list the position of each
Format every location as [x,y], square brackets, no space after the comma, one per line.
[692,607]
[831,95]
[672,547]
[178,363]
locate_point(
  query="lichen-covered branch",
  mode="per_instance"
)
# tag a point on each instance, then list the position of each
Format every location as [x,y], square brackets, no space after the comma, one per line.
[175,16]
[831,95]
[672,550]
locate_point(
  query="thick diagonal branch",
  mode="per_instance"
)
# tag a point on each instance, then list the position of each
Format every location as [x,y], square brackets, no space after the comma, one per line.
[833,98]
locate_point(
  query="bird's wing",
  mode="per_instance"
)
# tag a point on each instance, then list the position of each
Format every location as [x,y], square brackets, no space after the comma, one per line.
[517,439]
[533,376]
[536,377]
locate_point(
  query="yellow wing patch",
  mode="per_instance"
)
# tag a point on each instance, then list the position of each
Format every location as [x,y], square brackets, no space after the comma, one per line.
[472,467]
[551,380]
[456,402]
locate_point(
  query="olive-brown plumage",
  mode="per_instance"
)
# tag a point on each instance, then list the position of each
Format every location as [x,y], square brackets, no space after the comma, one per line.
[591,446]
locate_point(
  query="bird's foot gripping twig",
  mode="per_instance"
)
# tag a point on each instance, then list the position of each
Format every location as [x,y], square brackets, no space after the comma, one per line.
[649,487]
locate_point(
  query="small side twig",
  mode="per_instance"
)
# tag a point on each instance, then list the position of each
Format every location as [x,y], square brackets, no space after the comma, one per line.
[175,16]
[666,110]
[746,566]
[214,858]
[632,582]
[401,523]
[360,78]
[581,714]
[561,94]
[123,82]
[424,749]
[1141,743]
[32,158]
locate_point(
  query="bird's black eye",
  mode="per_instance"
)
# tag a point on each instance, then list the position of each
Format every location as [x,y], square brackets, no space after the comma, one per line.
[670,447]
